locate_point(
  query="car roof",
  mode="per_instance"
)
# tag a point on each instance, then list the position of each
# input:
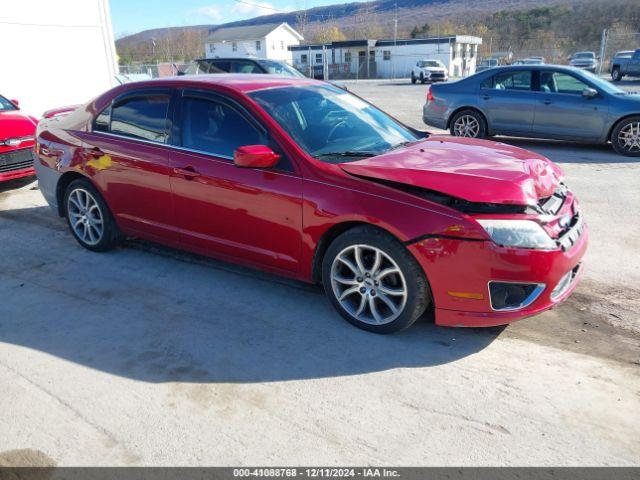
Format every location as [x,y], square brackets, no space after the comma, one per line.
[243,82]
[539,66]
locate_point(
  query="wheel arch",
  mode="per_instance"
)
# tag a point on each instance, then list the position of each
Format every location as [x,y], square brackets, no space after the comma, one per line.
[617,122]
[329,236]
[467,107]
[62,185]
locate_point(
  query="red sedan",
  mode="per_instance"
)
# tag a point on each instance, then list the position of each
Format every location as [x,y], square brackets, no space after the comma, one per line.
[304,179]
[17,132]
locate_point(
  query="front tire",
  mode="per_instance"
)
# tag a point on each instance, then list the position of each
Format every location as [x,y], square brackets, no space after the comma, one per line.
[422,79]
[468,123]
[89,217]
[373,281]
[616,75]
[625,137]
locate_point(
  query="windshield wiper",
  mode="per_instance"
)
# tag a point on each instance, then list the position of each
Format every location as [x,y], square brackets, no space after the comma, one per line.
[348,153]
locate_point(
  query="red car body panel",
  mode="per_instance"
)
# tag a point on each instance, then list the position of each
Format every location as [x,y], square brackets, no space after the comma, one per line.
[280,221]
[13,158]
[474,170]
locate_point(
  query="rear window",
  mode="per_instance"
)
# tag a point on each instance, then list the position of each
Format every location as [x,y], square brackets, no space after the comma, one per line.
[142,116]
[520,80]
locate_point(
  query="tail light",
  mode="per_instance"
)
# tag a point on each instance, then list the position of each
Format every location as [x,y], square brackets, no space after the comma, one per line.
[430,97]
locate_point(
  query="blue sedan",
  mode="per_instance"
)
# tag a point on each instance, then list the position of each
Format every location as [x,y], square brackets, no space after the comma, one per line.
[541,101]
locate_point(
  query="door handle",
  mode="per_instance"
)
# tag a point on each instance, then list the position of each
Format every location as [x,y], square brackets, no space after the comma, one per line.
[547,101]
[94,152]
[187,172]
[486,97]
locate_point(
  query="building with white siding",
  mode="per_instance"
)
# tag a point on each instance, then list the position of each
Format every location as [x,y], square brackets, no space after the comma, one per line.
[387,58]
[56,53]
[271,42]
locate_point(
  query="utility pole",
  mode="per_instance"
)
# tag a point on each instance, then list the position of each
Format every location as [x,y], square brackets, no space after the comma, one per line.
[395,43]
[603,47]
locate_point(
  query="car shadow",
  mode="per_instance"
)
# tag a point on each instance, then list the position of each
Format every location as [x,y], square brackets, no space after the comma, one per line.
[155,314]
[16,183]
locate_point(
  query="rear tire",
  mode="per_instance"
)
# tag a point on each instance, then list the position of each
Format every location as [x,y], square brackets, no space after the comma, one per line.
[413,78]
[616,75]
[373,281]
[89,217]
[468,123]
[625,137]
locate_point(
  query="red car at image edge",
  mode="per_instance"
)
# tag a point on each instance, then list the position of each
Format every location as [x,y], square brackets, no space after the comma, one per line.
[303,179]
[17,132]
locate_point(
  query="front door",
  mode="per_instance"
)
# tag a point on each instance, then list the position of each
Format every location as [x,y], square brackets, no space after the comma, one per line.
[563,112]
[251,215]
[508,100]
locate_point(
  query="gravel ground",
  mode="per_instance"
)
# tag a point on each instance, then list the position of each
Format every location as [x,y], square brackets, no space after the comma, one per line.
[149,356]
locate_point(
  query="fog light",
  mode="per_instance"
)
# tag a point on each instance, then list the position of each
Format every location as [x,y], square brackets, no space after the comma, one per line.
[512,295]
[564,283]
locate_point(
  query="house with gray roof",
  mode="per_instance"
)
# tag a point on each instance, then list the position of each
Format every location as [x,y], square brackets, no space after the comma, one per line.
[271,41]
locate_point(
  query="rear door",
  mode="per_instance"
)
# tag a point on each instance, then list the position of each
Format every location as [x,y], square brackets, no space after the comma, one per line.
[508,99]
[254,215]
[128,157]
[563,112]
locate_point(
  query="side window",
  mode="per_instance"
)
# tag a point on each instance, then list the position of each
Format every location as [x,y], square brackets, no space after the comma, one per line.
[215,128]
[142,116]
[557,82]
[520,80]
[244,67]
[101,122]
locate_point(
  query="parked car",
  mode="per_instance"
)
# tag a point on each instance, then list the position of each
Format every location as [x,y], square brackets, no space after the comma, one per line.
[487,64]
[242,65]
[17,132]
[429,71]
[529,61]
[546,101]
[625,65]
[585,60]
[303,179]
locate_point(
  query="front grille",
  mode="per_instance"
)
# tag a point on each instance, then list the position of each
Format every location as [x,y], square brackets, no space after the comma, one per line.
[438,76]
[552,205]
[571,236]
[16,160]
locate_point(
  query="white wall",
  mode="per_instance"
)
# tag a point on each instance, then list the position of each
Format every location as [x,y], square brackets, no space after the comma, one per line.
[273,46]
[403,58]
[243,49]
[55,52]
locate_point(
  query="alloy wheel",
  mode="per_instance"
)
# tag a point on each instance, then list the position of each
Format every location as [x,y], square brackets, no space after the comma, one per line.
[85,216]
[368,284]
[466,126]
[629,137]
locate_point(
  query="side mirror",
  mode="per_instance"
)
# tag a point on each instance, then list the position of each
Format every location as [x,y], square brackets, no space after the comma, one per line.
[16,103]
[255,156]
[589,92]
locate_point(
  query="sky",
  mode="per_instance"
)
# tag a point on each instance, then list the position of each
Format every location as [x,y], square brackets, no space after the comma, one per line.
[132,16]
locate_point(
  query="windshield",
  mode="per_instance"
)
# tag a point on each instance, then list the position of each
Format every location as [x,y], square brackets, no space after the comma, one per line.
[585,55]
[603,84]
[430,63]
[6,104]
[331,124]
[278,68]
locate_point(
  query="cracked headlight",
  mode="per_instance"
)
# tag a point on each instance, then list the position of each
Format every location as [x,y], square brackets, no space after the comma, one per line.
[517,233]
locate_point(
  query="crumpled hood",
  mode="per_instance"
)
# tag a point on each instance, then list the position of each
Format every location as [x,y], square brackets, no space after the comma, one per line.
[470,169]
[14,124]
